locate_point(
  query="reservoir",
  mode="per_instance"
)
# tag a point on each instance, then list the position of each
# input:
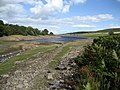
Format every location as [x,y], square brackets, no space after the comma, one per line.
[58,39]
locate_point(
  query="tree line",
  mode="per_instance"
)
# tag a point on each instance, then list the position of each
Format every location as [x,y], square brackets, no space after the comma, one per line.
[10,29]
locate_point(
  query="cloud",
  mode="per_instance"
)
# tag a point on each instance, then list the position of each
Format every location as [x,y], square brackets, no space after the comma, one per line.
[32,2]
[113,26]
[66,8]
[78,1]
[84,26]
[87,19]
[53,7]
[14,8]
[39,8]
[54,26]
[62,21]
[11,10]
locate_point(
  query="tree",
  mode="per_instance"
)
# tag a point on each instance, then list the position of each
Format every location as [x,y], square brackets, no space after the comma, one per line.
[30,30]
[1,30]
[45,32]
[51,33]
[10,29]
[1,22]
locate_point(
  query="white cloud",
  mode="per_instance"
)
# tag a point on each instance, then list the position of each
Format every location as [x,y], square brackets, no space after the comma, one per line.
[54,26]
[113,26]
[78,1]
[83,26]
[11,10]
[53,7]
[39,8]
[66,8]
[86,19]
[62,21]
[4,2]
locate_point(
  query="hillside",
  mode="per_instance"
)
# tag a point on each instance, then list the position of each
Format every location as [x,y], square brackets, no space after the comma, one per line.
[110,29]
[98,31]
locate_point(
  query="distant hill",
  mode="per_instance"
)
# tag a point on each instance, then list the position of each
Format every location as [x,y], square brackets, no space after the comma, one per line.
[77,32]
[111,29]
[102,31]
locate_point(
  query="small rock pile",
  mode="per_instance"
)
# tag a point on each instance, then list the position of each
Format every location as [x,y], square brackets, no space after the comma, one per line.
[66,78]
[67,71]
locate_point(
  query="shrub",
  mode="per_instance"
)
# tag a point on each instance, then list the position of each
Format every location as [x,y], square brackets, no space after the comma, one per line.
[103,60]
[110,32]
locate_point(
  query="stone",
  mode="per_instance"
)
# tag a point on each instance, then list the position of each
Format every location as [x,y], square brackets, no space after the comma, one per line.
[49,76]
[69,68]
[17,62]
[61,68]
[61,81]
[20,86]
[5,75]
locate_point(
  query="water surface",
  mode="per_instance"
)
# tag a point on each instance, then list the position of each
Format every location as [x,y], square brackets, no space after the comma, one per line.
[58,39]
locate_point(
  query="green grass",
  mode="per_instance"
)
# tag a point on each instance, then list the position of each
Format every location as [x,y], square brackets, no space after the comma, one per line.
[91,34]
[61,54]
[6,66]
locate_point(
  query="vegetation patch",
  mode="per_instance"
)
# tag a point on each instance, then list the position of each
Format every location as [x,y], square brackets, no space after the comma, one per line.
[6,66]
[99,66]
[59,56]
[91,34]
[66,48]
[10,29]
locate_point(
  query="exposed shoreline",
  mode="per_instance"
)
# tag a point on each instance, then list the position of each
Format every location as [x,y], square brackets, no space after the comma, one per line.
[23,38]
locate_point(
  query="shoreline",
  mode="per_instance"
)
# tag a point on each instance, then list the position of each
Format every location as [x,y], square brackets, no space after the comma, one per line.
[24,38]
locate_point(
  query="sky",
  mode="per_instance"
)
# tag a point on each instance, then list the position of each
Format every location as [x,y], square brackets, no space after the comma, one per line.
[62,16]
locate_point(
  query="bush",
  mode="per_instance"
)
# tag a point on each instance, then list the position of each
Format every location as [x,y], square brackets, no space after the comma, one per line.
[103,60]
[111,33]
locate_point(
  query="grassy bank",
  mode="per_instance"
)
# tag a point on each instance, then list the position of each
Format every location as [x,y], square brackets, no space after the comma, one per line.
[6,66]
[90,34]
[65,49]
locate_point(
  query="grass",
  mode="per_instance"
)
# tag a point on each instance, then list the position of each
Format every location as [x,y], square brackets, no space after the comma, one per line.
[5,46]
[59,56]
[66,48]
[8,65]
[91,34]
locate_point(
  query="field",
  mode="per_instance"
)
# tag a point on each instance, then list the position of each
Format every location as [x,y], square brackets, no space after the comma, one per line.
[32,57]
[92,64]
[93,34]
[8,65]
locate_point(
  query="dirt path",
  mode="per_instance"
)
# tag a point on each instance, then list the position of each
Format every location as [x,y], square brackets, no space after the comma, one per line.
[66,69]
[31,74]
[53,76]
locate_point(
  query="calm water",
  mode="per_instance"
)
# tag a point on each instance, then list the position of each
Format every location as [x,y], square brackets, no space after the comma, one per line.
[58,39]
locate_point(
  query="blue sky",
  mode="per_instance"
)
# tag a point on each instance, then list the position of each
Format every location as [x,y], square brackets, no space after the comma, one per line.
[62,16]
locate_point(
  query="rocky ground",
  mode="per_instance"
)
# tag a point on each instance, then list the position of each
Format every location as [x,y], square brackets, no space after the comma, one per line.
[37,75]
